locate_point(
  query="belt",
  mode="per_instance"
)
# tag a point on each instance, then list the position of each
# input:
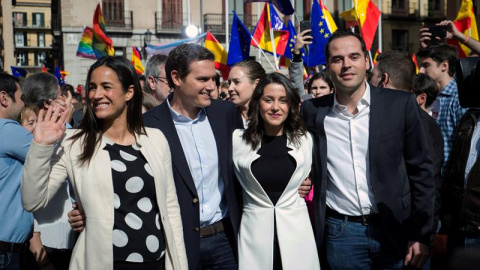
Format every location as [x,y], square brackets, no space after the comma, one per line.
[364,219]
[212,229]
[14,247]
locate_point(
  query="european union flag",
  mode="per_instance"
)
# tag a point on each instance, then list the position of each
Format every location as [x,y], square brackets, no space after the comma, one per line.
[320,33]
[240,39]
[18,72]
[292,37]
[57,74]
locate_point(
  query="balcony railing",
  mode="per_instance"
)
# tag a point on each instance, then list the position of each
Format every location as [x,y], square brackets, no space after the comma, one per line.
[125,23]
[21,24]
[215,23]
[166,21]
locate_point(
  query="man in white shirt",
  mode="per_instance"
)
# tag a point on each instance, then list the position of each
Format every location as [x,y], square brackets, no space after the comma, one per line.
[374,189]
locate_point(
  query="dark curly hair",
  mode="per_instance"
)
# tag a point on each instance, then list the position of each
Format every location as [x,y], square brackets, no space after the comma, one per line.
[293,126]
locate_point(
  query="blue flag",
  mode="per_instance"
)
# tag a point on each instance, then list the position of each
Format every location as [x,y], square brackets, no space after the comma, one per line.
[57,74]
[320,34]
[18,72]
[240,39]
[292,37]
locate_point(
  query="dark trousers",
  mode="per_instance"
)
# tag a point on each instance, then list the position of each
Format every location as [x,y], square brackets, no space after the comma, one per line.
[60,258]
[216,253]
[351,245]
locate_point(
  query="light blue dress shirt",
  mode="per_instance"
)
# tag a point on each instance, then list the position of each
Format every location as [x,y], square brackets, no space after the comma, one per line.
[474,148]
[16,224]
[200,149]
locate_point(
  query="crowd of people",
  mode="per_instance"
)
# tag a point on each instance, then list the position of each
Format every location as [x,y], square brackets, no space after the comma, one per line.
[179,170]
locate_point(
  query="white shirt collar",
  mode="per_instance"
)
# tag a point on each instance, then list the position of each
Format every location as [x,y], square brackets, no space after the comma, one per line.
[362,103]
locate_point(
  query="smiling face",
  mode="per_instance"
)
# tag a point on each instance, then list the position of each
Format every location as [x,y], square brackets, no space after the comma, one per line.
[193,92]
[107,96]
[274,108]
[320,88]
[241,88]
[347,64]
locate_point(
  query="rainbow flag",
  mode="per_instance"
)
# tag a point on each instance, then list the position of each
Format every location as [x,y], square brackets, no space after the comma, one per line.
[101,42]
[136,60]
[270,20]
[85,49]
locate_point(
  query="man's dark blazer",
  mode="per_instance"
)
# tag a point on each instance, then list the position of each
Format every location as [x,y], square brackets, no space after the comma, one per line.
[399,164]
[224,118]
[435,143]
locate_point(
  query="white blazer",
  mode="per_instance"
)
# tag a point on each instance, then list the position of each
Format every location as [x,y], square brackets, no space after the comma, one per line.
[47,167]
[294,230]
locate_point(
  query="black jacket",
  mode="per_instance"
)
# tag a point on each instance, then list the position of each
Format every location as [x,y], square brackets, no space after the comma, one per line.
[461,200]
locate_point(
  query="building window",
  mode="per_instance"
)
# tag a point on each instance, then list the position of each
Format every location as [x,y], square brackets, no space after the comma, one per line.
[120,51]
[41,39]
[40,58]
[172,16]
[399,5]
[113,11]
[38,19]
[400,40]
[20,39]
[20,19]
[435,5]
[22,59]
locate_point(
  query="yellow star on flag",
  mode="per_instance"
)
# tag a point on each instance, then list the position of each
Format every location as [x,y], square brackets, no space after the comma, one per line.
[326,35]
[322,30]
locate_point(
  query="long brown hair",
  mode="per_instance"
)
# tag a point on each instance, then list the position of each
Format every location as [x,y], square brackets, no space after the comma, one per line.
[91,127]
[293,126]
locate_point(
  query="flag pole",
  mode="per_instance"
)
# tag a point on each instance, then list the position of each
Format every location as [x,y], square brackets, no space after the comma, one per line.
[380,27]
[226,25]
[272,39]
[261,51]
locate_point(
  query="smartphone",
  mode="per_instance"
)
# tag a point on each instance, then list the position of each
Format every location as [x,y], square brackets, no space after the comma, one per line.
[437,31]
[304,25]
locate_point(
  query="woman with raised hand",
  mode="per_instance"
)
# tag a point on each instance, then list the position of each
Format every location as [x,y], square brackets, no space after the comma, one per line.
[271,159]
[121,174]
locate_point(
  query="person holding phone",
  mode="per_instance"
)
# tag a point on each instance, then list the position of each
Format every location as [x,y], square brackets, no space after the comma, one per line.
[295,69]
[427,35]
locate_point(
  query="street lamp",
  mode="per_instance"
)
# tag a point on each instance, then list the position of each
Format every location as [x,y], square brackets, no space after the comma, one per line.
[146,40]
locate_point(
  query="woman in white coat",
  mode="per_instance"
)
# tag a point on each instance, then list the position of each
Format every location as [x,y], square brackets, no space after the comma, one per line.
[271,158]
[120,171]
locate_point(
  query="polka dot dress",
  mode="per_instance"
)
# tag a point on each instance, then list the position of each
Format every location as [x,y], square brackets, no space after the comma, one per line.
[137,236]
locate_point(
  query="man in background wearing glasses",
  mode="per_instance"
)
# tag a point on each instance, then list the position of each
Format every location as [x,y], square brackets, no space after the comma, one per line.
[156,81]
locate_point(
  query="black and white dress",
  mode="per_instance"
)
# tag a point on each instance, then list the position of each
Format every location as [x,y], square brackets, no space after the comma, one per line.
[137,234]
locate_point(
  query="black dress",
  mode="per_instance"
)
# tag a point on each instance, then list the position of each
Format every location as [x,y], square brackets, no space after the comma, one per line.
[273,170]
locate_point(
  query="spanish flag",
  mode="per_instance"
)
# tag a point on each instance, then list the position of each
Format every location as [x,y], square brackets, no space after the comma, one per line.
[221,55]
[269,20]
[367,15]
[137,60]
[465,23]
